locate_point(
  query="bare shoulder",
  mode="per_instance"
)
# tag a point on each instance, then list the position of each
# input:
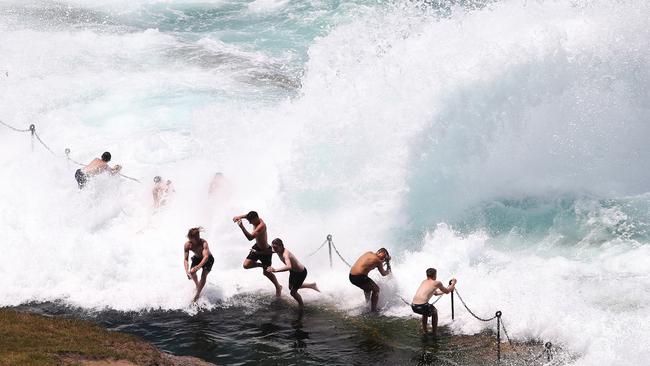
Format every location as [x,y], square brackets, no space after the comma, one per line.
[205,243]
[187,246]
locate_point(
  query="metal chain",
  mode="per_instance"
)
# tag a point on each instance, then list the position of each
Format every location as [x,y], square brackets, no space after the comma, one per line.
[319,248]
[340,256]
[45,145]
[471,312]
[14,128]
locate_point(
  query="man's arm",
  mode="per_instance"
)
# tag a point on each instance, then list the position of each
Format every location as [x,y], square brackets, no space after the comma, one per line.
[205,253]
[185,262]
[380,268]
[444,289]
[238,218]
[286,267]
[115,170]
[248,235]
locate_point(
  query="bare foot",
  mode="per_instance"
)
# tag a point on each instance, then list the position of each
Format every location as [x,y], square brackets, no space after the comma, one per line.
[278,291]
[315,288]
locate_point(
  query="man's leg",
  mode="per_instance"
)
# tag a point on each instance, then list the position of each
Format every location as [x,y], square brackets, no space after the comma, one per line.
[248,264]
[374,298]
[434,321]
[312,286]
[294,293]
[424,323]
[271,277]
[201,284]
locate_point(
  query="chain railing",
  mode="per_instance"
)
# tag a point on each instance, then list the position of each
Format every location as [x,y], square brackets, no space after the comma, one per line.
[35,137]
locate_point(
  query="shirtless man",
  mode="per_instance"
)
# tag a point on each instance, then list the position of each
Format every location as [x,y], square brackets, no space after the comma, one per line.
[359,274]
[160,191]
[260,253]
[202,258]
[420,303]
[297,272]
[97,166]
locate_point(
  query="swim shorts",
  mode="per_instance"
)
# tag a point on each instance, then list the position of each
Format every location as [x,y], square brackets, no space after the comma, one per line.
[423,309]
[361,281]
[81,178]
[207,266]
[296,279]
[265,259]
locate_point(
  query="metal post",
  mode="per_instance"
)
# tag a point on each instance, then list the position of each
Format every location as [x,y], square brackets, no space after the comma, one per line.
[67,155]
[329,245]
[452,303]
[548,346]
[498,314]
[32,128]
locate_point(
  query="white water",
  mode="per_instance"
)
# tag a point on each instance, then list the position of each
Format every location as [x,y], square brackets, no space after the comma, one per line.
[402,121]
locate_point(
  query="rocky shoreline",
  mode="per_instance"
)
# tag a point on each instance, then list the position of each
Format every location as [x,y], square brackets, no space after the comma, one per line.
[30,339]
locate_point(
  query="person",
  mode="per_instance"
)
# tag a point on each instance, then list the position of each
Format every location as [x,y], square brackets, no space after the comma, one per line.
[420,304]
[216,183]
[359,274]
[261,252]
[97,166]
[160,191]
[202,259]
[297,272]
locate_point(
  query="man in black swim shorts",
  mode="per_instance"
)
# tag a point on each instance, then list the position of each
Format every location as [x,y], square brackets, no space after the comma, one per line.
[427,289]
[297,272]
[97,166]
[202,259]
[260,254]
[359,274]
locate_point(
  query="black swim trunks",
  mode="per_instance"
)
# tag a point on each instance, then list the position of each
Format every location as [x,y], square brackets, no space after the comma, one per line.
[296,279]
[207,266]
[265,259]
[81,178]
[423,309]
[361,281]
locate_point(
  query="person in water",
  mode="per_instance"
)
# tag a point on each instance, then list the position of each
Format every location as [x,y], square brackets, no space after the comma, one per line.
[420,304]
[160,191]
[359,274]
[261,252]
[202,259]
[297,272]
[97,166]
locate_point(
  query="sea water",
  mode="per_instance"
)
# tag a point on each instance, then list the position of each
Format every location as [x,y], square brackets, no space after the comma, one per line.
[504,143]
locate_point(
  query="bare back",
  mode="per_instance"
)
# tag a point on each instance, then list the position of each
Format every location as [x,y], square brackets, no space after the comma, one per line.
[366,263]
[425,291]
[95,167]
[295,264]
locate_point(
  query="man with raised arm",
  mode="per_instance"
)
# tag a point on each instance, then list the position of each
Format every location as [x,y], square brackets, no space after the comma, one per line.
[261,252]
[297,272]
[202,259]
[97,166]
[428,288]
[359,274]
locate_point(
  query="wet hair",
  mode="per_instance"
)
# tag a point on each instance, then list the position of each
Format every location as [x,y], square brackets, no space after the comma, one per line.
[157,179]
[252,216]
[106,156]
[431,272]
[384,250]
[277,241]
[194,233]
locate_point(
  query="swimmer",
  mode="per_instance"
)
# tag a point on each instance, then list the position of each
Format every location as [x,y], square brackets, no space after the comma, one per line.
[297,272]
[97,166]
[420,304]
[160,191]
[202,259]
[261,252]
[359,274]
